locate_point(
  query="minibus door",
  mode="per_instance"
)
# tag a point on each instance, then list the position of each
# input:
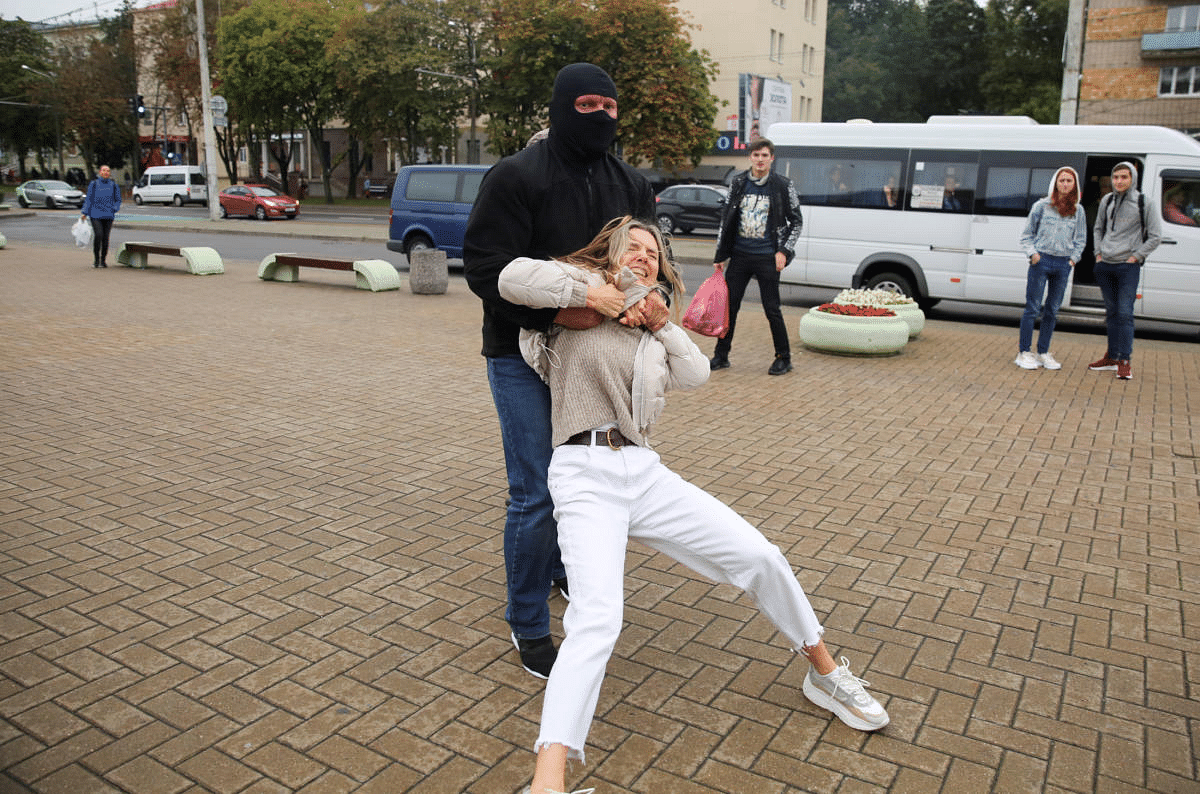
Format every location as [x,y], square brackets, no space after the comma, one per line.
[1170,286]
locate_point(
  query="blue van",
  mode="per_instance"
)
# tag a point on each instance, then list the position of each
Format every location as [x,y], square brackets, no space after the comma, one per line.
[430,207]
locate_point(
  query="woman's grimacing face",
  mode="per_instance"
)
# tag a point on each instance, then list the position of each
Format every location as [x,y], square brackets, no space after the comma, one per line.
[642,256]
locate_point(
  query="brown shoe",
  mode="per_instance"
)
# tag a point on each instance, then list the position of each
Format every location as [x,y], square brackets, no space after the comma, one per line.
[1104,363]
[1124,371]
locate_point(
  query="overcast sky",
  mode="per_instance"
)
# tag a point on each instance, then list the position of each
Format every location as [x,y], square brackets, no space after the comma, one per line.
[59,11]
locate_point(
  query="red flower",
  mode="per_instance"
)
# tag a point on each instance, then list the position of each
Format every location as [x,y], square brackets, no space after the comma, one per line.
[850,310]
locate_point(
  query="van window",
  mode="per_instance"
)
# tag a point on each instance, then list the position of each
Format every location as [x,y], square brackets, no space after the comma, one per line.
[169,179]
[197,177]
[432,186]
[470,187]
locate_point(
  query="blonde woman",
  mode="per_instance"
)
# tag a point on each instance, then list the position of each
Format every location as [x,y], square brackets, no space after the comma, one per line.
[609,486]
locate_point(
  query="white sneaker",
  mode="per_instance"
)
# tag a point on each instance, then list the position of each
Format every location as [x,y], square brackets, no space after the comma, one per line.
[1048,361]
[844,694]
[1027,360]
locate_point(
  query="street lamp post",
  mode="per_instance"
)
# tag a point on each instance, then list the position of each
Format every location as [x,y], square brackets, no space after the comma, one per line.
[62,169]
[473,79]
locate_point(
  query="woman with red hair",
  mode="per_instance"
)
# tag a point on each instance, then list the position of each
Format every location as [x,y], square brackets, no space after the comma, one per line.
[1054,238]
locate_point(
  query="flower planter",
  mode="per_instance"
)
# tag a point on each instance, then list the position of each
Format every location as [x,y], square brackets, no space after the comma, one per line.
[860,336]
[910,313]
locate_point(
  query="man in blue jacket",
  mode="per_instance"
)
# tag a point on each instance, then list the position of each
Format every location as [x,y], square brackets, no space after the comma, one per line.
[547,200]
[102,203]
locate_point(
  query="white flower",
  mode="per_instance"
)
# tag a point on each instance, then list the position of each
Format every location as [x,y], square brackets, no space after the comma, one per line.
[878,298]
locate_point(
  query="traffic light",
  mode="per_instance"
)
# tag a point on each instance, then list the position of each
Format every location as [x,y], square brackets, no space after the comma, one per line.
[141,107]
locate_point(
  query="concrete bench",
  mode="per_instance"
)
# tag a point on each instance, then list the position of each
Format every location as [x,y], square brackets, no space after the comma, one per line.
[373,274]
[201,261]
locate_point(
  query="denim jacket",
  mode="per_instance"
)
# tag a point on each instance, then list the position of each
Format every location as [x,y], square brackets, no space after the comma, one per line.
[1047,232]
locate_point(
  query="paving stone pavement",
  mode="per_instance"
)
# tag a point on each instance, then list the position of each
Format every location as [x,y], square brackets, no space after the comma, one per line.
[250,542]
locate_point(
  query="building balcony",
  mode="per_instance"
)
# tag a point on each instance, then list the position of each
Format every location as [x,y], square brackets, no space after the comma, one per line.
[1171,45]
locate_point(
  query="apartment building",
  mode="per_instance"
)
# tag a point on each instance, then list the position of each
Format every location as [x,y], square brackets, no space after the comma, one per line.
[1141,64]
[771,55]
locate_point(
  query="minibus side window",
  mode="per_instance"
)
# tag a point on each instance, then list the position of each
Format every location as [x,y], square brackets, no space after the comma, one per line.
[945,185]
[847,177]
[1180,200]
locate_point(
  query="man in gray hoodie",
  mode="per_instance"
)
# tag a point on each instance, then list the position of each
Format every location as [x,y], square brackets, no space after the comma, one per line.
[1126,231]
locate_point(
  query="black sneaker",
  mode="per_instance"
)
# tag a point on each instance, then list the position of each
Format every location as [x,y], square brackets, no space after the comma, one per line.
[561,584]
[537,656]
[782,364]
[718,362]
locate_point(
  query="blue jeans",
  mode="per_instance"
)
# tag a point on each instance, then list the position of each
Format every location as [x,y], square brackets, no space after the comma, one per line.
[1118,282]
[738,273]
[531,557]
[1050,274]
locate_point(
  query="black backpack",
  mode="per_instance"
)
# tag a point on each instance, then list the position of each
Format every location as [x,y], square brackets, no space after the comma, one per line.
[1103,209]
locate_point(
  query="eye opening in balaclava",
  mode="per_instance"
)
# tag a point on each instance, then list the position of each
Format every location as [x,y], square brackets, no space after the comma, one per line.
[586,135]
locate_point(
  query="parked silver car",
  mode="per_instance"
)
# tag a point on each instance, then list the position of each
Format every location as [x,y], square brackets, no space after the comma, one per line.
[49,193]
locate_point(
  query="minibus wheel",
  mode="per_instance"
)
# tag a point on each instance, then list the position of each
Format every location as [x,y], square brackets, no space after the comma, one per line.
[892,282]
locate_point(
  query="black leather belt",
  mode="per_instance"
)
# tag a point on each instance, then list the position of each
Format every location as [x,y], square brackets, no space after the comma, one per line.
[612,437]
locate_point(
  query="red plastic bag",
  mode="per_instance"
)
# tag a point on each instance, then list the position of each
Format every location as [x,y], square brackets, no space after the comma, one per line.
[708,313]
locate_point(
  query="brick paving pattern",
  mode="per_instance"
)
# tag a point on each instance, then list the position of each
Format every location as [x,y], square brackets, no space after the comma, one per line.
[250,542]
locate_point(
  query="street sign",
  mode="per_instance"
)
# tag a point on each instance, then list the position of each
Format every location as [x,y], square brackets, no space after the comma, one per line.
[219,106]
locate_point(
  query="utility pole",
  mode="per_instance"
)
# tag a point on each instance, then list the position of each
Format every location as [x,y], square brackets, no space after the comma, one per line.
[1068,111]
[210,137]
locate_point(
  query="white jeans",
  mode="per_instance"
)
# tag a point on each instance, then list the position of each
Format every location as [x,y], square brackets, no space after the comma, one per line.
[602,498]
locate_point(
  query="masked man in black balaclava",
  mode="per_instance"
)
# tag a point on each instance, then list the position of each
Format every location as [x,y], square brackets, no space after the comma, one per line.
[548,200]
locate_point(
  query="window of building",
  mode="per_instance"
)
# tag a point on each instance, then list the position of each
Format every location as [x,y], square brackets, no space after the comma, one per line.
[774,34]
[779,57]
[1183,19]
[1179,81]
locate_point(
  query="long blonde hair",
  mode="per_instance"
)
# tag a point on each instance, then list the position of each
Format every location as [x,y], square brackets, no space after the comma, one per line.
[603,254]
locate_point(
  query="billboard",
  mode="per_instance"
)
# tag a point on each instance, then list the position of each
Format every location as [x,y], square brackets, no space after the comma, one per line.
[762,102]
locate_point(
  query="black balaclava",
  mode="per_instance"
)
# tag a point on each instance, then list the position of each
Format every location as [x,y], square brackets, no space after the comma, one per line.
[585,135]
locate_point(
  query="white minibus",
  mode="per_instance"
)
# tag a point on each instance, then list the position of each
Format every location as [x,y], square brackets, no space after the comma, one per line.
[936,210]
[172,184]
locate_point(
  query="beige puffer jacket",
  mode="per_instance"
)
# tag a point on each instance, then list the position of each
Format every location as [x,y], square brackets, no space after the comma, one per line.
[666,359]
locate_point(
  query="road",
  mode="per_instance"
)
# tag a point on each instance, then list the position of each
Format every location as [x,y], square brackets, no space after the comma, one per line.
[361,233]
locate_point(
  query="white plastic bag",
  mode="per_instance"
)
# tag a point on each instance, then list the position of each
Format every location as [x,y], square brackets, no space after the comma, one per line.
[82,231]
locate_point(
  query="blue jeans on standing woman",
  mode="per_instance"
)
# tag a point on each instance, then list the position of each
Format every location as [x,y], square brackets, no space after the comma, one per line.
[1050,275]
[1118,282]
[531,556]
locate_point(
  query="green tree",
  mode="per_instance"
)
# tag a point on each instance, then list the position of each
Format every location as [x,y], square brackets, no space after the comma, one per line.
[1024,51]
[276,73]
[385,96]
[870,71]
[950,64]
[529,41]
[27,122]
[666,107]
[96,78]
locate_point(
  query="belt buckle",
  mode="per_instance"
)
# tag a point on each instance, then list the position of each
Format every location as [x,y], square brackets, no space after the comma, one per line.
[608,439]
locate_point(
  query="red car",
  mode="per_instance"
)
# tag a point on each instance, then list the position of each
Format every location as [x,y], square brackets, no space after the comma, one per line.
[258,200]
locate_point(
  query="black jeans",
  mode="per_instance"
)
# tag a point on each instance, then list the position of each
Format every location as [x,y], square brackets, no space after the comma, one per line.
[100,230]
[738,273]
